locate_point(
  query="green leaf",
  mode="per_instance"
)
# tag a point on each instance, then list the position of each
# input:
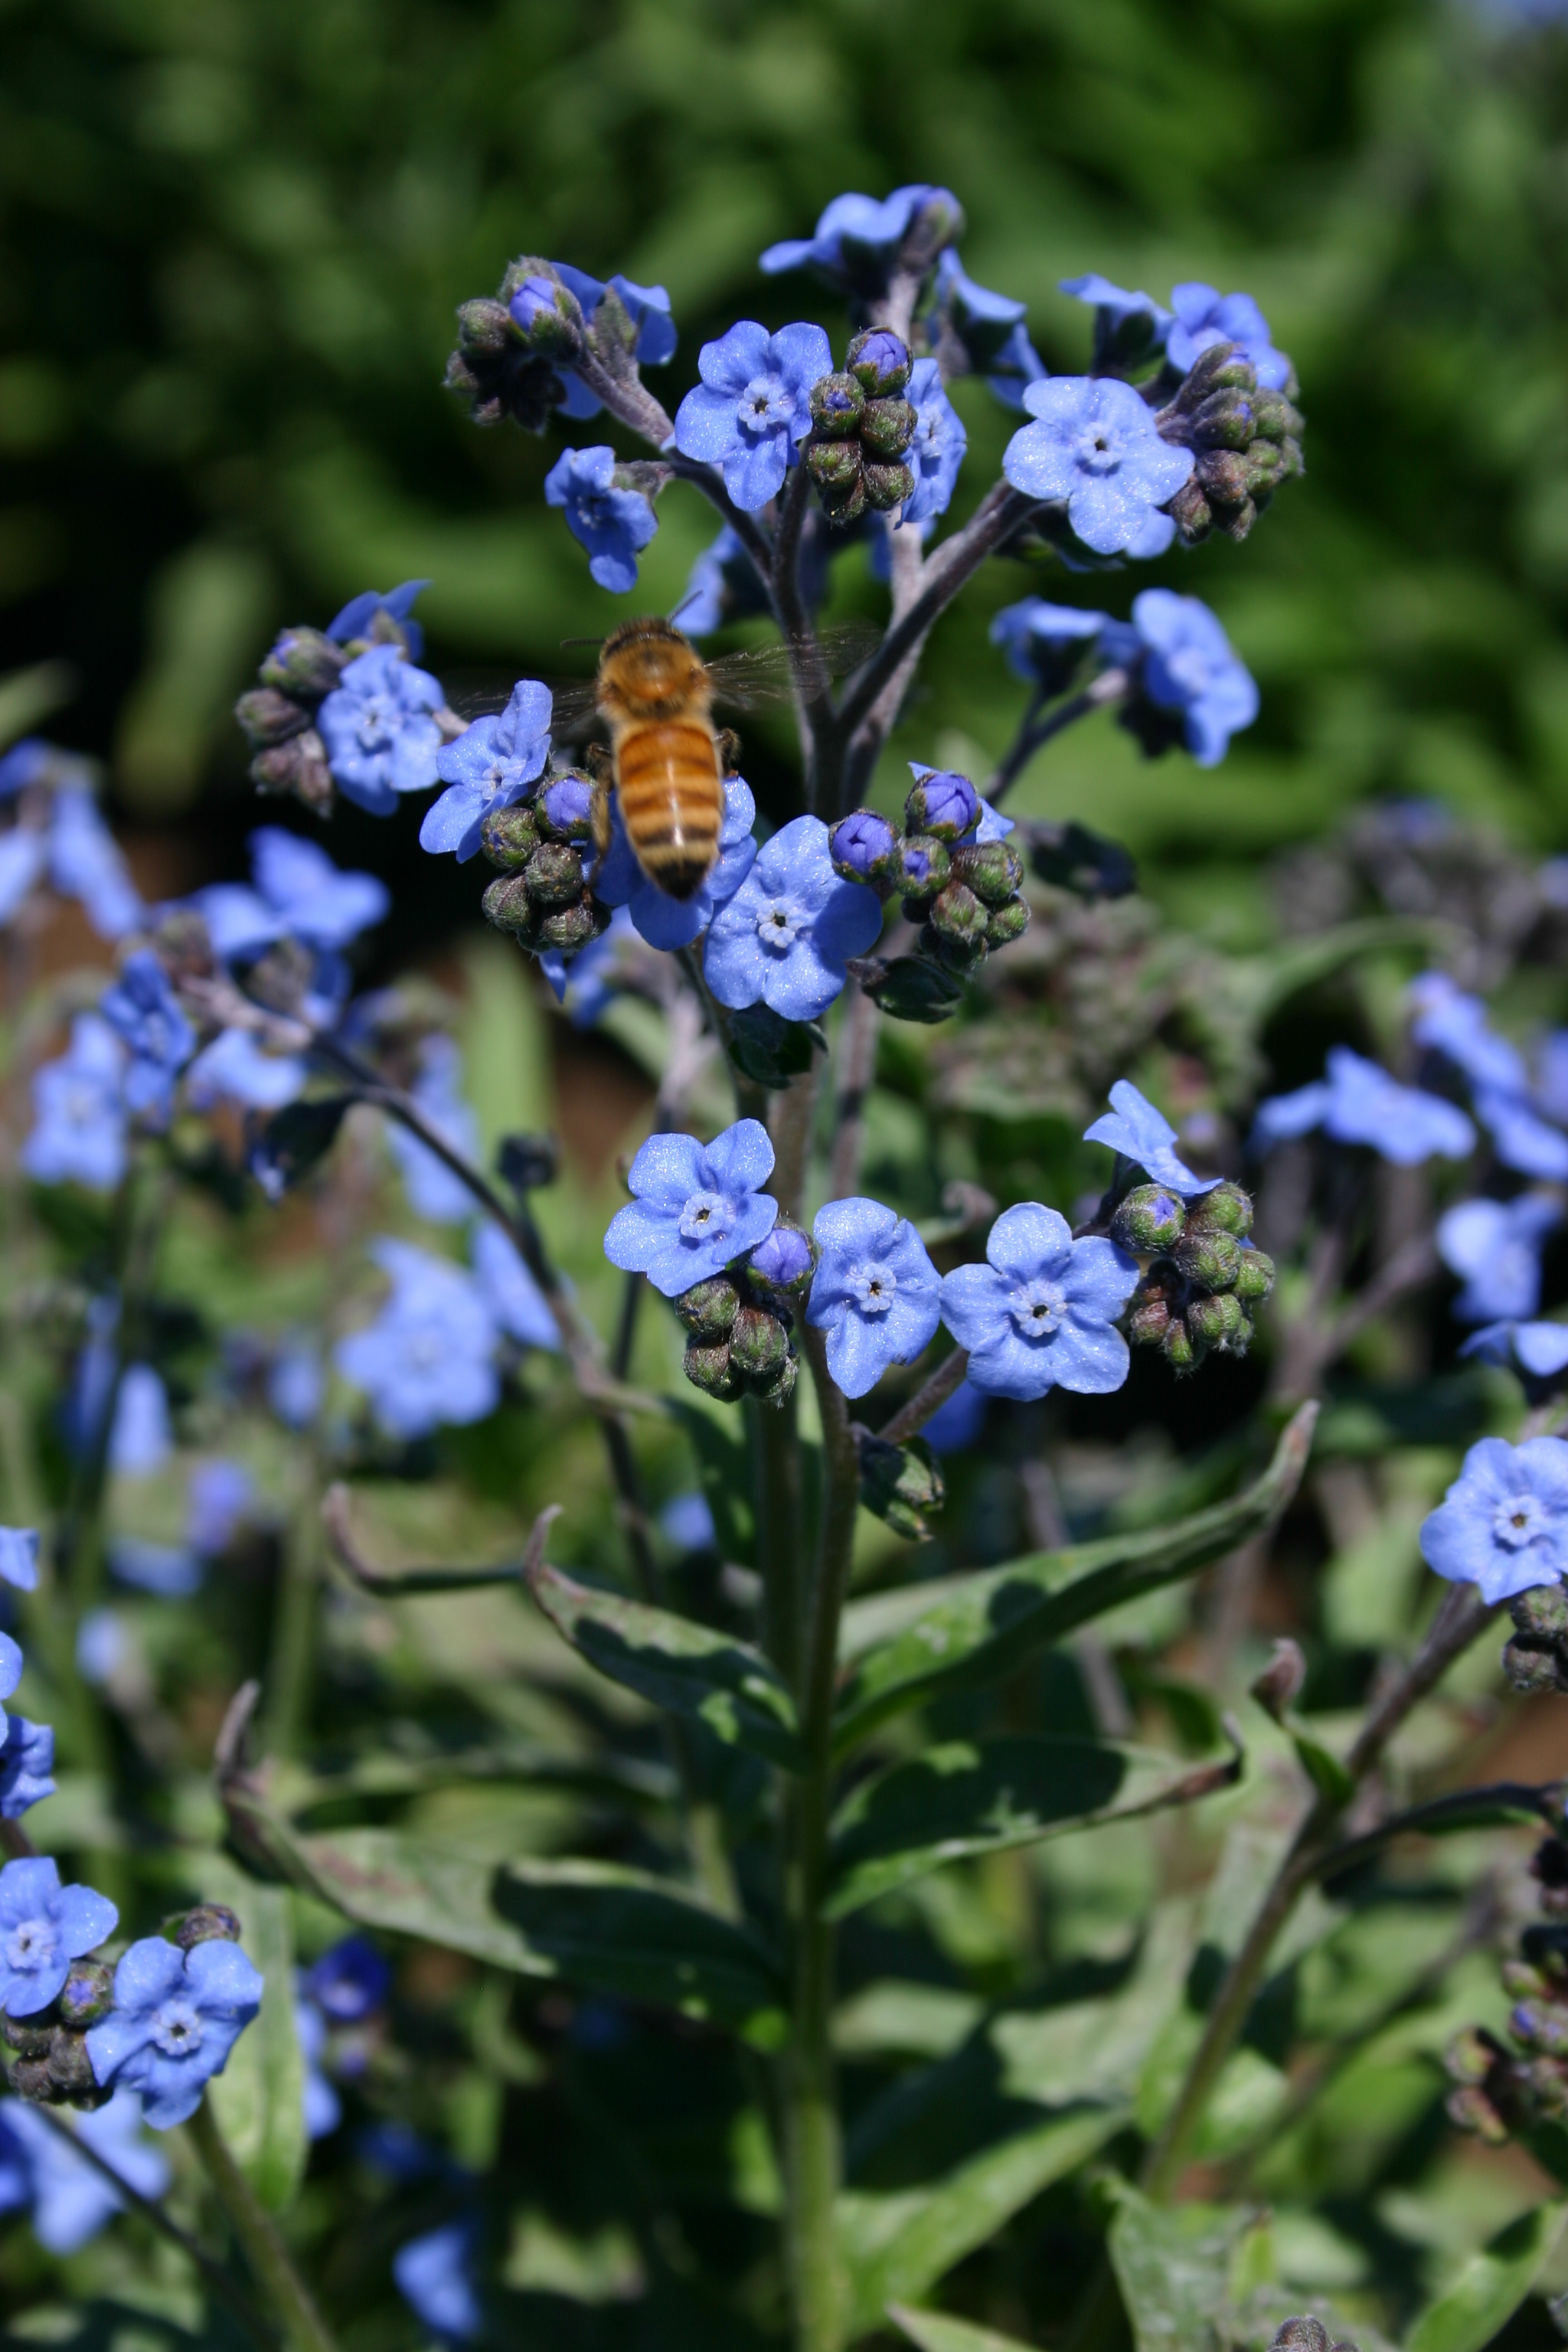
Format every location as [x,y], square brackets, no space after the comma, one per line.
[897,2245]
[1177,2267]
[1490,2287]
[298,1138]
[975,1796]
[970,1630]
[933,2331]
[723,1471]
[259,2098]
[678,1664]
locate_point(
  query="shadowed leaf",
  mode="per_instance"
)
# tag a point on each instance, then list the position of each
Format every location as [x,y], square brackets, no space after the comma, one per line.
[1490,2287]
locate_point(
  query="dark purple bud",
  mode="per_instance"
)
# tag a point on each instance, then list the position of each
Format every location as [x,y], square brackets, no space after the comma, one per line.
[864,847]
[944,803]
[836,403]
[209,1923]
[880,362]
[305,663]
[565,808]
[88,1993]
[924,866]
[783,1260]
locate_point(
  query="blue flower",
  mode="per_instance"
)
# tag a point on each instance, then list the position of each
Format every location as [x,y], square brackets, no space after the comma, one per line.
[27,763]
[234,1068]
[171,1572]
[102,1646]
[44,1926]
[359,615]
[19,1558]
[613,524]
[1114,309]
[517,1303]
[10,1673]
[1204,316]
[958,1421]
[435,2274]
[785,936]
[647,307]
[1189,667]
[1455,1025]
[376,724]
[23,855]
[1095,445]
[857,240]
[985,329]
[753,408]
[86,862]
[1047,645]
[348,1981]
[70,2198]
[725,585]
[324,2110]
[1538,1351]
[315,900]
[1521,1138]
[936,452]
[875,1292]
[143,1009]
[1503,1524]
[697,1206]
[863,847]
[1040,1314]
[176,2016]
[1495,1247]
[687,1522]
[429,1356]
[661,920]
[433,1190]
[1360,1103]
[295,1383]
[493,763]
[1137,1131]
[219,1496]
[140,1441]
[27,1764]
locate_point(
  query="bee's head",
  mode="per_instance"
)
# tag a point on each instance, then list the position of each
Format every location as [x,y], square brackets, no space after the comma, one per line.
[648,670]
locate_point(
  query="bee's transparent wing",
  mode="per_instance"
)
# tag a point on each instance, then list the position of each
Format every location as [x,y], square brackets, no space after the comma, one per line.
[570,701]
[759,675]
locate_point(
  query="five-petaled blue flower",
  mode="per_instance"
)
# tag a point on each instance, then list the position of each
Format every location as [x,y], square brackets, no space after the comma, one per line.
[515,1300]
[697,1206]
[753,408]
[44,1926]
[494,763]
[429,1356]
[936,452]
[359,615]
[1503,1524]
[350,1980]
[857,241]
[785,936]
[875,1292]
[1360,1103]
[1495,1247]
[27,1764]
[1040,1314]
[613,524]
[381,738]
[1204,316]
[70,2198]
[1114,304]
[1047,645]
[1094,444]
[19,1558]
[1189,665]
[661,920]
[298,894]
[987,329]
[176,2016]
[1538,1351]
[143,1009]
[1137,1131]
[1456,1026]
[436,2275]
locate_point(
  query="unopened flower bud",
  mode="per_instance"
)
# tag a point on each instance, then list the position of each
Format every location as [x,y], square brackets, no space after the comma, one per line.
[838,404]
[880,362]
[69,2067]
[508,837]
[758,1343]
[553,875]
[87,1994]
[569,928]
[1254,1277]
[1303,2334]
[298,766]
[1217,1320]
[887,484]
[1543,1611]
[924,866]
[833,465]
[957,914]
[541,310]
[944,803]
[887,427]
[710,1369]
[786,1260]
[1007,923]
[1471,2110]
[268,716]
[1539,2025]
[506,903]
[1210,1260]
[1278,1686]
[954,954]
[208,1923]
[777,1388]
[708,1309]
[1180,1348]
[864,847]
[1530,1666]
[26,2037]
[990,868]
[909,989]
[1147,1219]
[1149,1320]
[304,663]
[30,2080]
[1227,1209]
[564,809]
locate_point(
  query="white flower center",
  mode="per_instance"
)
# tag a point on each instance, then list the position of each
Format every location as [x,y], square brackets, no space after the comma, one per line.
[1097,449]
[780,924]
[874,1286]
[1038,1309]
[765,403]
[1518,1520]
[1189,669]
[703,1219]
[424,1351]
[376,719]
[32,1945]
[177,2028]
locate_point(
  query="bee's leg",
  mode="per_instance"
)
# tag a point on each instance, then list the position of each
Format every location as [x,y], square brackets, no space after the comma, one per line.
[727,745]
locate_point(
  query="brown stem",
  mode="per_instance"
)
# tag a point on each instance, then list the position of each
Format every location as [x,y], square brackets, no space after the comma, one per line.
[857,1071]
[912,1417]
[1035,733]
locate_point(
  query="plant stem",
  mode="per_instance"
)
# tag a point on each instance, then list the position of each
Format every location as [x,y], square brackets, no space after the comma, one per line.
[913,1416]
[1034,732]
[291,1668]
[264,2250]
[856,1070]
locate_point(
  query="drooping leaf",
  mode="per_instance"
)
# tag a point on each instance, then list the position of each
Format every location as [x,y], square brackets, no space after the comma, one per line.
[973,1797]
[295,1139]
[259,2098]
[933,2331]
[1491,2285]
[690,1668]
[969,1630]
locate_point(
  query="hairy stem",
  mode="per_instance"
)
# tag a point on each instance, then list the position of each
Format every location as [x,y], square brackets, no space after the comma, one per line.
[912,1418]
[291,1668]
[1033,731]
[264,2250]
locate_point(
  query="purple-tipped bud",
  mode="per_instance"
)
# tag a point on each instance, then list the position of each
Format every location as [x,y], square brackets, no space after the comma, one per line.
[303,662]
[864,847]
[944,803]
[880,362]
[924,866]
[534,301]
[566,807]
[209,1923]
[836,404]
[783,1260]
[87,1994]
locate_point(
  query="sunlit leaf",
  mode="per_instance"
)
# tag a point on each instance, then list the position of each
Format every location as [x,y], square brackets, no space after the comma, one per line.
[1490,2287]
[259,2098]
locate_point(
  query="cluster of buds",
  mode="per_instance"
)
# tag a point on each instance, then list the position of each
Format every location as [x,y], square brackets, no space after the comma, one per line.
[742,1329]
[1499,2092]
[279,716]
[861,427]
[1536,1658]
[1307,2335]
[1204,1278]
[1246,443]
[964,893]
[49,2060]
[512,347]
[542,898]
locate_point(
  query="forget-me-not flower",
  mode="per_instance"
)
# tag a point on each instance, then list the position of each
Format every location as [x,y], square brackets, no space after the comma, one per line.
[86,862]
[1204,316]
[351,1980]
[515,1300]
[787,936]
[1114,304]
[44,1926]
[176,2016]
[27,1764]
[988,330]
[724,585]
[358,616]
[1455,1025]
[687,1521]
[1537,1350]
[1137,1131]
[697,1206]
[432,1189]
[429,1356]
[297,894]
[296,1383]
[1094,444]
[1041,1312]
[19,1558]
[1503,1524]
[1047,645]
[171,1572]
[1521,1137]
[493,763]
[614,525]
[661,920]
[218,1498]
[379,736]
[26,762]
[142,1438]
[654,336]
[875,1292]
[236,1068]
[436,2275]
[143,1009]
[1495,1247]
[70,2198]
[936,451]
[1189,665]
[753,408]
[1358,1102]
[856,244]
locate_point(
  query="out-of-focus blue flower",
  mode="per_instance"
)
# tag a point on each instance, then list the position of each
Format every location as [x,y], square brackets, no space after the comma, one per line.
[348,1981]
[23,855]
[27,1764]
[1118,304]
[26,762]
[381,739]
[647,307]
[1503,1524]
[987,329]
[236,1069]
[358,615]
[44,1926]
[141,1440]
[753,408]
[661,920]
[86,862]
[101,1647]
[19,1558]
[936,452]
[176,2016]
[171,1571]
[785,936]
[438,2276]
[143,1009]
[323,2108]
[855,245]
[1495,1247]
[1040,1314]
[295,1383]
[875,1292]
[1189,665]
[586,981]
[1538,1350]
[315,900]
[1047,645]
[687,1522]
[1204,316]
[1137,1131]
[219,1496]
[493,763]
[1521,1138]
[70,2198]
[958,1421]
[1094,444]
[1360,1103]
[429,1356]
[614,525]
[517,1303]
[1455,1025]
[697,1206]
[79,1136]
[433,1190]
[10,1673]
[724,586]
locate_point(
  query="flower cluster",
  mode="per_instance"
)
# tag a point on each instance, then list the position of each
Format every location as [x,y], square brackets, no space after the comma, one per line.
[435,1351]
[959,880]
[551,338]
[59,836]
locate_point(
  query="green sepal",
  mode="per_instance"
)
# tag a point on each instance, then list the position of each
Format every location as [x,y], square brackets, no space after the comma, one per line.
[768,1050]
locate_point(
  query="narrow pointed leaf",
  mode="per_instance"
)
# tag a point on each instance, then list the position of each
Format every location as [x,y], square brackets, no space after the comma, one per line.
[688,1669]
[974,1629]
[933,2331]
[973,1797]
[1490,2287]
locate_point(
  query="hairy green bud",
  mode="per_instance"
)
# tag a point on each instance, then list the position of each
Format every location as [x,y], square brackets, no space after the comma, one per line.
[887,427]
[1178,1346]
[298,766]
[776,1386]
[887,486]
[1219,1321]
[1254,1277]
[505,904]
[710,1369]
[838,404]
[568,929]
[708,1309]
[758,1343]
[268,716]
[509,838]
[1211,1261]
[1008,922]
[957,914]
[87,1994]
[880,362]
[1147,1219]
[1542,1611]
[553,875]
[990,868]
[1227,1209]
[305,663]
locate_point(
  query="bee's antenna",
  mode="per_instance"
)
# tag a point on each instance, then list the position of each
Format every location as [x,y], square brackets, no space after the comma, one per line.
[582,641]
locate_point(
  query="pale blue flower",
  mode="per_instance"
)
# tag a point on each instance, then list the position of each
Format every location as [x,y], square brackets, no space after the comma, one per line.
[86,863]
[1503,1524]
[1360,1103]
[379,736]
[171,1571]
[1538,1351]
[351,1979]
[1114,306]
[663,921]
[614,525]
[218,1499]
[858,239]
[176,2016]
[296,1382]
[22,855]
[958,1421]
[315,900]
[19,1558]
[1047,645]
[1094,444]
[515,1300]
[936,452]
[44,1926]
[1495,1247]
[753,408]
[27,1764]
[434,1191]
[1134,1130]
[324,2110]
[697,1206]
[1521,1140]
[10,1675]
[1041,1312]
[1204,316]
[647,307]
[142,1439]
[1457,1026]
[103,1647]
[687,1522]
[429,1356]
[236,1069]
[143,1009]
[1189,665]
[70,2198]
[787,936]
[987,330]
[359,615]
[436,2275]
[875,1292]
[587,982]
[493,763]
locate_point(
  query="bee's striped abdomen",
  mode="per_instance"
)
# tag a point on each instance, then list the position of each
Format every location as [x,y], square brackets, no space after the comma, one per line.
[672,801]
